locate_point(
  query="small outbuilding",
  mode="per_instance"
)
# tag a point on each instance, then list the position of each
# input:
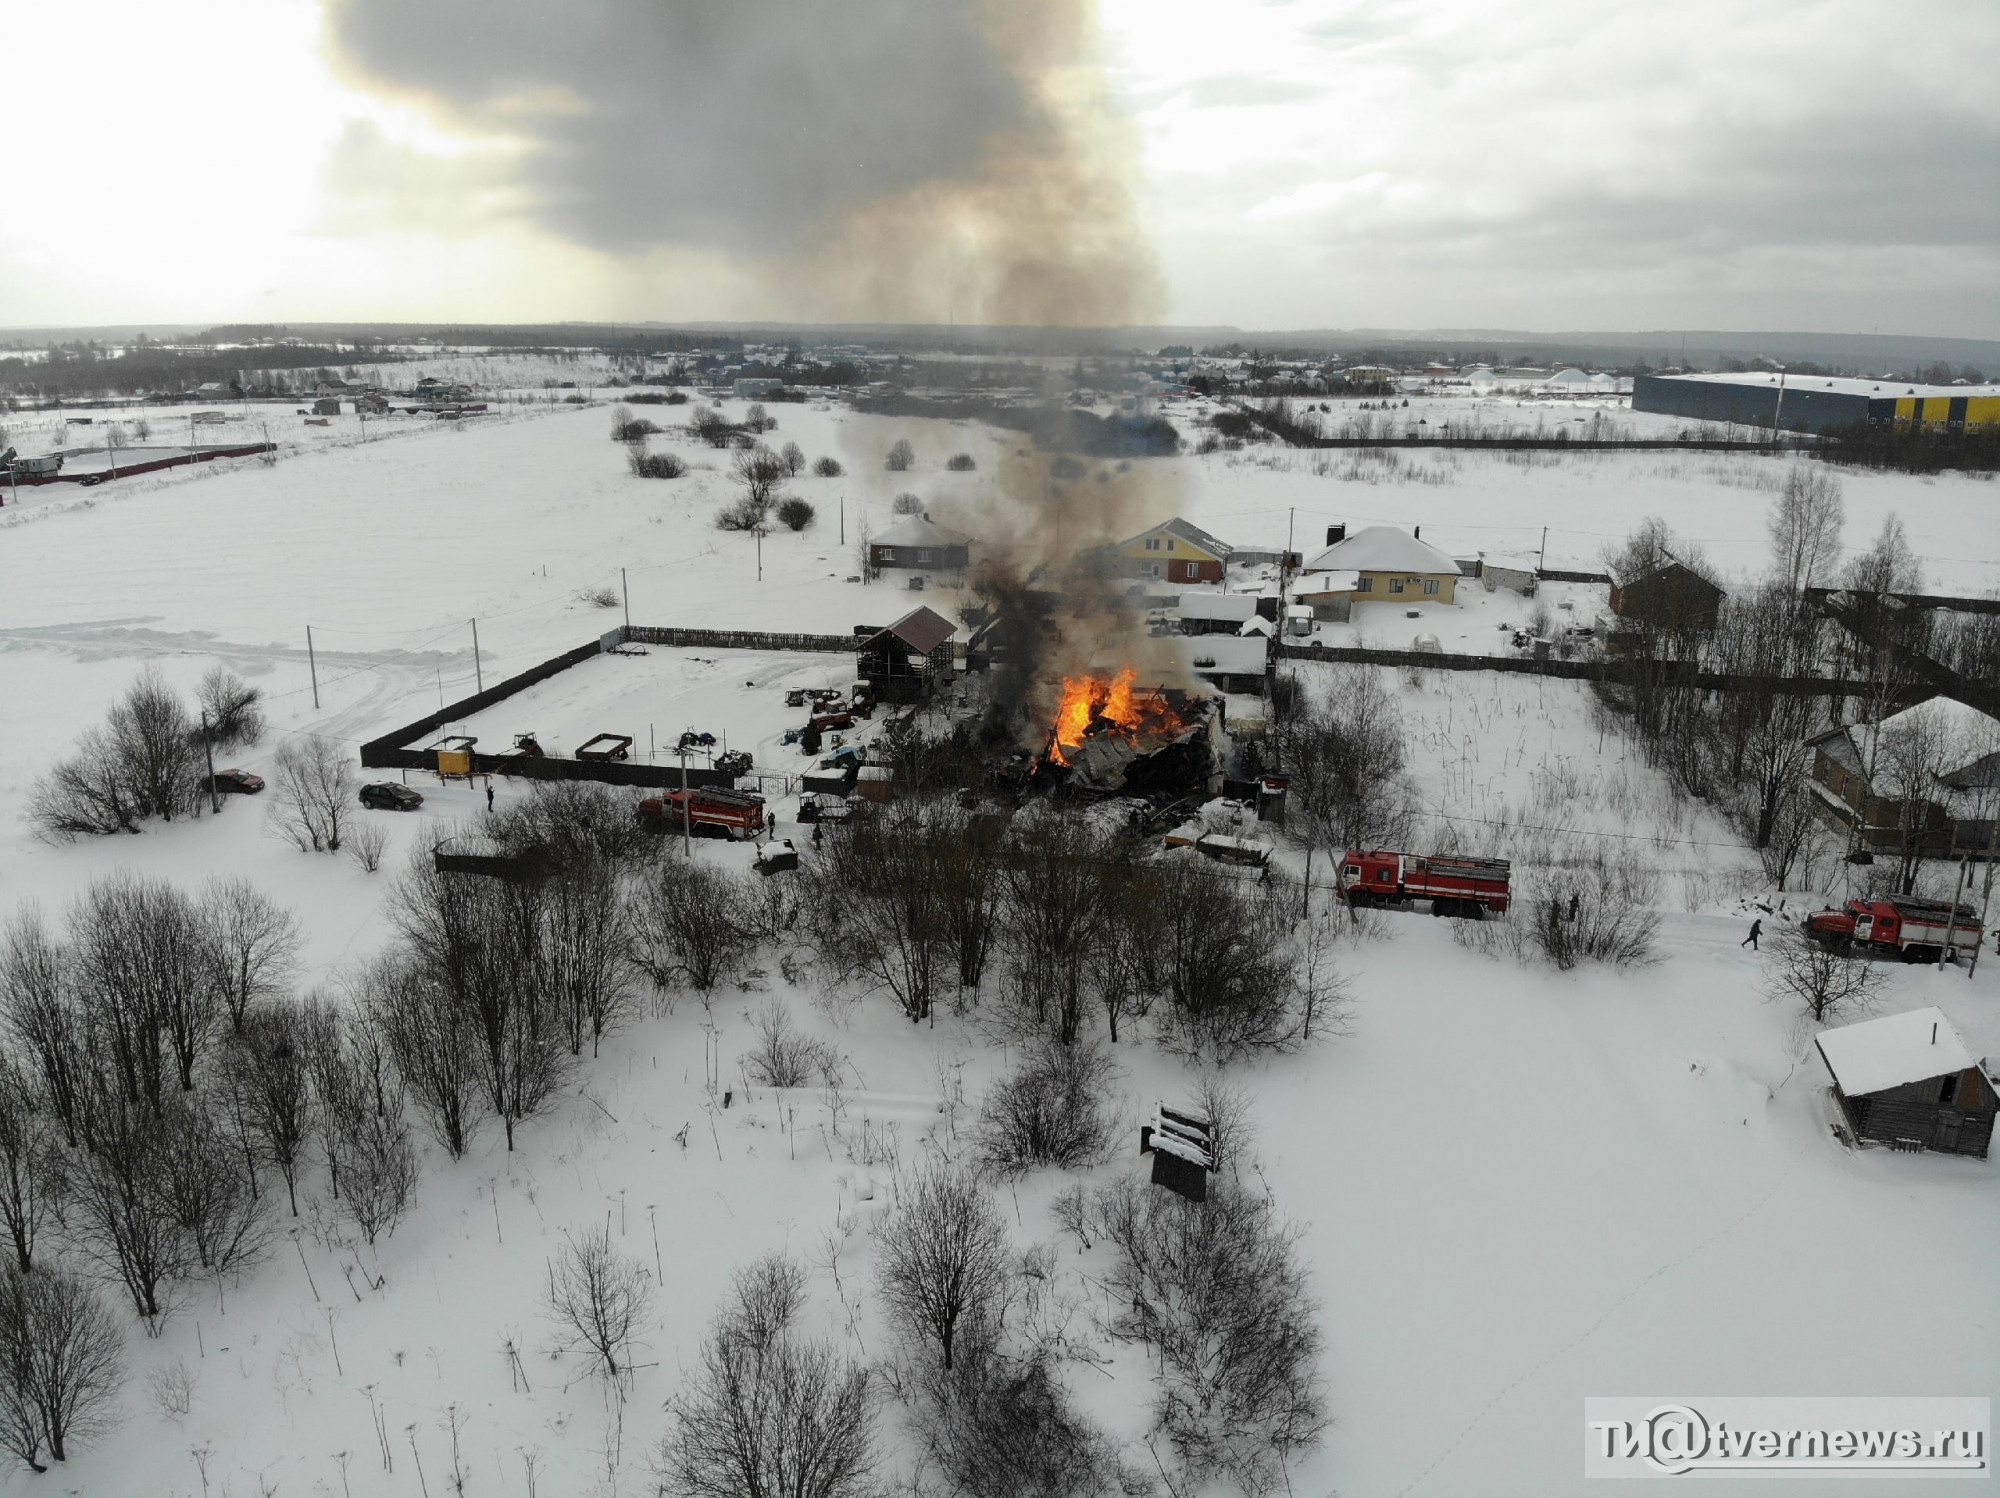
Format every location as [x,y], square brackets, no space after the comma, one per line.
[1667,595]
[1909,1081]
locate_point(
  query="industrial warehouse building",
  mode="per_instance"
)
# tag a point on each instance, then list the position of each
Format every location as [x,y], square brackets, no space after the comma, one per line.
[1812,403]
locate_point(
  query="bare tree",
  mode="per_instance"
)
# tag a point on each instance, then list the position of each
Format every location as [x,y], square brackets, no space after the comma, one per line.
[148,975]
[62,1362]
[256,943]
[828,468]
[584,945]
[1218,1289]
[157,747]
[274,1076]
[1343,752]
[906,504]
[599,1300]
[760,473]
[901,456]
[796,514]
[1060,879]
[769,1414]
[29,1170]
[314,796]
[942,1258]
[231,707]
[43,1014]
[432,1042]
[1231,967]
[1819,979]
[689,925]
[115,1206]
[85,795]
[379,1171]
[1910,755]
[794,458]
[207,1189]
[1805,525]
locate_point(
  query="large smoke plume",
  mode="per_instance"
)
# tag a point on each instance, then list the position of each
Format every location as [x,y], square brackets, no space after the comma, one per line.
[900,160]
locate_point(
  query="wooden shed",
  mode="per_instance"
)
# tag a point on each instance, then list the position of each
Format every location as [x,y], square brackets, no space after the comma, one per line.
[1910,1082]
[1670,595]
[906,661]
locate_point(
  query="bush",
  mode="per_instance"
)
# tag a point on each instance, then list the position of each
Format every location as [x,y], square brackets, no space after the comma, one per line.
[796,514]
[757,419]
[783,1057]
[743,513]
[960,463]
[1050,1112]
[768,1411]
[1822,983]
[647,465]
[604,596]
[907,504]
[367,844]
[1217,1289]
[313,800]
[901,457]
[598,1299]
[828,468]
[1000,1426]
[942,1261]
[625,427]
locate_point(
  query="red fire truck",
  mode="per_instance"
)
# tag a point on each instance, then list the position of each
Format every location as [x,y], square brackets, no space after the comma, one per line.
[1916,929]
[707,810]
[1454,885]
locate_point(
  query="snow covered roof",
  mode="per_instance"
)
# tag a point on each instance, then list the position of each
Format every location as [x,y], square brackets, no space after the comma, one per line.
[1880,389]
[1962,728]
[1191,533]
[1883,1053]
[1232,608]
[1383,548]
[1339,580]
[1257,624]
[1227,655]
[919,530]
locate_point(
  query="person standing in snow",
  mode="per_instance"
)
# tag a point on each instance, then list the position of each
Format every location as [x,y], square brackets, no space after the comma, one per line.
[489,796]
[1756,930]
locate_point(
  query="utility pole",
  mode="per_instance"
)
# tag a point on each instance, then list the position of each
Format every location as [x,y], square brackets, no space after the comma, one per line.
[478,671]
[312,663]
[687,813]
[1777,415]
[1543,561]
[758,532]
[208,753]
[843,517]
[625,588]
[1951,914]
[1285,562]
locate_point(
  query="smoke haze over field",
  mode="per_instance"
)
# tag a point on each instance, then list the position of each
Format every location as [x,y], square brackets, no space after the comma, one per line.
[902,159]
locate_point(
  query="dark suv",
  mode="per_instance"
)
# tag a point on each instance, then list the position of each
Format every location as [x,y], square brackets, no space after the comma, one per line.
[386,795]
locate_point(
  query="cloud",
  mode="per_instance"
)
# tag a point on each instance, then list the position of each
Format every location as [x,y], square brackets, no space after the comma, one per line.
[917,158]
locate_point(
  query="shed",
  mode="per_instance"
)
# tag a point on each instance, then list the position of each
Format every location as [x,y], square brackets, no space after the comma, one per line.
[1911,1082]
[919,543]
[904,662]
[1517,574]
[1216,613]
[1235,663]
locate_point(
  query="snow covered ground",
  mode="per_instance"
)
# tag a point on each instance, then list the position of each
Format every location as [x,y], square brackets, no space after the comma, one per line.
[1517,1187]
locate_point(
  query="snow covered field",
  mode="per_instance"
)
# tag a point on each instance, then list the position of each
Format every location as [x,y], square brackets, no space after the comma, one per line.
[1517,1187]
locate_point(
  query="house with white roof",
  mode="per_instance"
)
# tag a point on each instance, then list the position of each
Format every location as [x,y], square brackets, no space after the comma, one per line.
[1858,772]
[1377,564]
[1910,1081]
[918,543]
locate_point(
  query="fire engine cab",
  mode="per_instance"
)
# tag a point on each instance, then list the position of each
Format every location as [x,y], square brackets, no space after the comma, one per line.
[1454,885]
[1918,930]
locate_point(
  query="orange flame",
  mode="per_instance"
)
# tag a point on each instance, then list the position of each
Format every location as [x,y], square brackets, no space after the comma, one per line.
[1111,704]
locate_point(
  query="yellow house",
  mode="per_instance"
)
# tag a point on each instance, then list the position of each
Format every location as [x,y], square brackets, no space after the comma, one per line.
[1379,564]
[1175,552]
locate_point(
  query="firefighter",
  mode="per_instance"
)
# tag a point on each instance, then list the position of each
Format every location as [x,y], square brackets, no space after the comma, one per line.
[1756,930]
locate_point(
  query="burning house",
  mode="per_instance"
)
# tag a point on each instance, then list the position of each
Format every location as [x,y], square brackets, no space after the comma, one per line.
[1113,736]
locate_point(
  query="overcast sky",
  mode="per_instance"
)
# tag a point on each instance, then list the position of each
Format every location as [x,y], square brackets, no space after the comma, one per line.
[1798,164]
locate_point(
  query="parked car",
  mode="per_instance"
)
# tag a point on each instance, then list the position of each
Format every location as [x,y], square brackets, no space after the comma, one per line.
[733,762]
[386,795]
[238,782]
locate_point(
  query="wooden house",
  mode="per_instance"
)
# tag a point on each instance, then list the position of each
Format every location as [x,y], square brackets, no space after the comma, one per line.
[1909,1081]
[907,661]
[1669,595]
[1176,552]
[916,543]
